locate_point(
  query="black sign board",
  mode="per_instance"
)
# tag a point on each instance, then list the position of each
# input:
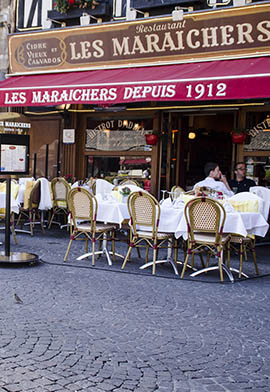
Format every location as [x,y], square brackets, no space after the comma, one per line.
[14,154]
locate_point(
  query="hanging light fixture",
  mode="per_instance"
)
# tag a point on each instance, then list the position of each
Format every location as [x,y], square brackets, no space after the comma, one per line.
[191,135]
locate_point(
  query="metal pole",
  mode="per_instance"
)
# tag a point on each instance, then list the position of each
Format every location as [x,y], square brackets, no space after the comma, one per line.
[46,160]
[35,165]
[7,228]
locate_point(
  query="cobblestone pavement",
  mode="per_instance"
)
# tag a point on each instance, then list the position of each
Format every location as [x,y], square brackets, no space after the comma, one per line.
[100,329]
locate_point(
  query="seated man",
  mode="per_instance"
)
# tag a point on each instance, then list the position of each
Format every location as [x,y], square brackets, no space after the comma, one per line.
[241,183]
[215,179]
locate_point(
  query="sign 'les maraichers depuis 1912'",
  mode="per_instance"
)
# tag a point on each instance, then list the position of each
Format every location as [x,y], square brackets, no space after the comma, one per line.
[215,34]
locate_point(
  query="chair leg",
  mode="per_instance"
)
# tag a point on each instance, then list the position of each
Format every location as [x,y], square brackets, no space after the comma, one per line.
[31,220]
[245,252]
[41,223]
[51,219]
[229,255]
[220,258]
[113,245]
[202,262]
[12,228]
[146,253]
[252,249]
[86,245]
[14,234]
[68,248]
[185,264]
[241,259]
[154,259]
[192,260]
[93,250]
[175,251]
[127,257]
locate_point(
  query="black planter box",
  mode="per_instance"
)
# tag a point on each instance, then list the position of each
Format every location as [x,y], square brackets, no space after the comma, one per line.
[101,10]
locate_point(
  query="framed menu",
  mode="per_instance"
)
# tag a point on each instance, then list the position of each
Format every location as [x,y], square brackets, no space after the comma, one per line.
[14,154]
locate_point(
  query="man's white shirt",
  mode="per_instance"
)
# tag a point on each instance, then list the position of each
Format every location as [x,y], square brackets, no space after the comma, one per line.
[218,186]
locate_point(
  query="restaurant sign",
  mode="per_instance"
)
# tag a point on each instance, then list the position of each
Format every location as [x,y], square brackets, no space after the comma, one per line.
[216,34]
[117,135]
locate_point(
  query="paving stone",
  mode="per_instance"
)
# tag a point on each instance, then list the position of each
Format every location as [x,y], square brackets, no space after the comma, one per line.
[102,329]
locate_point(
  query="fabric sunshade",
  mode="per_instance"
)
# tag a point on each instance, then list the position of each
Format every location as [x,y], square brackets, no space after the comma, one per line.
[247,78]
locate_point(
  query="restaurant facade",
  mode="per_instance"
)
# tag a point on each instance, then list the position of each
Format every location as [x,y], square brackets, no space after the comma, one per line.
[156,95]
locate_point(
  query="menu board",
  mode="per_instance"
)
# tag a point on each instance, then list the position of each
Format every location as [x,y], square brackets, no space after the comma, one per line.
[14,154]
[13,158]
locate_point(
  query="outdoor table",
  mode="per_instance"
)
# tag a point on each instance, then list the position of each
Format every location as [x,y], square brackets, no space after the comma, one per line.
[14,207]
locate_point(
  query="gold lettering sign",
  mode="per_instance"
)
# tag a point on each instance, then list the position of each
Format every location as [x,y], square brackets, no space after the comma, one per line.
[215,34]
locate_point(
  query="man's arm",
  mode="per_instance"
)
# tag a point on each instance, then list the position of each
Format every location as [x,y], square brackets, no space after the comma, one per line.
[225,182]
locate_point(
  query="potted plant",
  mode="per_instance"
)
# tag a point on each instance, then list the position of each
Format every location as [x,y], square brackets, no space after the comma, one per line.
[238,136]
[64,5]
[125,191]
[151,138]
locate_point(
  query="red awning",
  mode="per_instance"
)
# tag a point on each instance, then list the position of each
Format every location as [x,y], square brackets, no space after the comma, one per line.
[247,78]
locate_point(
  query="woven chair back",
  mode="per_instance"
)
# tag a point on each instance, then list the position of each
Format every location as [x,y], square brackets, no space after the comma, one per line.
[204,215]
[176,191]
[34,198]
[83,205]
[129,182]
[144,211]
[60,189]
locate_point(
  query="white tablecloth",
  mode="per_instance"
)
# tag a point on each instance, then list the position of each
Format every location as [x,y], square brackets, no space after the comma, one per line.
[172,220]
[13,204]
[241,223]
[111,211]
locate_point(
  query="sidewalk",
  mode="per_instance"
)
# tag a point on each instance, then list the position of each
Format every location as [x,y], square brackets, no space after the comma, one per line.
[96,329]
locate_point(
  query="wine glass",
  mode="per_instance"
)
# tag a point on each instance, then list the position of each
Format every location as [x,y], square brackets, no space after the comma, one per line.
[163,196]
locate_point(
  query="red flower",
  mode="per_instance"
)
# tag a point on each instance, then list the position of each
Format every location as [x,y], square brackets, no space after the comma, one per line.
[71,2]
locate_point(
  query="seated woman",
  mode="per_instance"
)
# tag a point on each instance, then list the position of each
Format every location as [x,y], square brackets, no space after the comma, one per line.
[215,179]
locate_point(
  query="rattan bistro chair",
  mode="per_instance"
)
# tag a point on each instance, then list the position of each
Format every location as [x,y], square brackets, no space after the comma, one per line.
[144,211]
[12,226]
[176,191]
[30,210]
[129,182]
[83,207]
[60,189]
[205,220]
[245,244]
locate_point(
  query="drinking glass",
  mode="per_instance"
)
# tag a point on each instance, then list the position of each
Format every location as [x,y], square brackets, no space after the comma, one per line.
[163,196]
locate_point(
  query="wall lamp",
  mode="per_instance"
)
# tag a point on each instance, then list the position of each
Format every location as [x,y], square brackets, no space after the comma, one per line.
[132,14]
[178,13]
[191,135]
[47,23]
[85,19]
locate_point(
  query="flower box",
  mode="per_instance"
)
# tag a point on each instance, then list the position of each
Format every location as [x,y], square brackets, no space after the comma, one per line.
[101,10]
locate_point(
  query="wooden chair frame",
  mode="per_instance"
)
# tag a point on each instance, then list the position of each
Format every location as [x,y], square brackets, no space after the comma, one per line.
[83,207]
[129,182]
[245,244]
[32,211]
[60,189]
[176,191]
[205,219]
[144,211]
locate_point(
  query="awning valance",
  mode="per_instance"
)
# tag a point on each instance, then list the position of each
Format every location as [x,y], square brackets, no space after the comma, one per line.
[247,78]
